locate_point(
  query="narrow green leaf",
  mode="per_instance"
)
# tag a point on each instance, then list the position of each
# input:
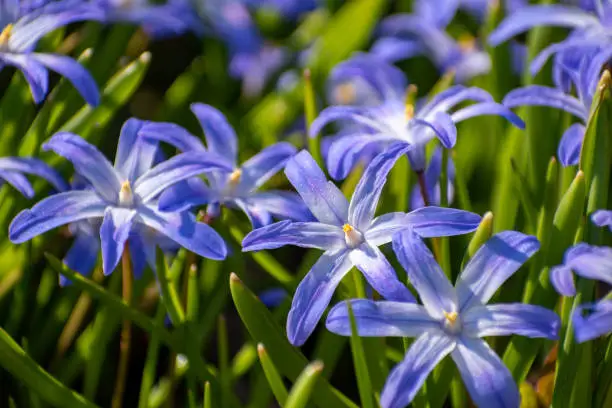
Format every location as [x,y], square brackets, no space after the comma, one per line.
[289,361]
[169,295]
[359,362]
[482,235]
[150,368]
[17,362]
[244,360]
[223,354]
[274,378]
[304,386]
[207,395]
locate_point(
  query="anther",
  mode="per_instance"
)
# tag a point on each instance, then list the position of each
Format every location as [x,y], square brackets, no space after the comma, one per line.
[6,34]
[126,197]
[352,237]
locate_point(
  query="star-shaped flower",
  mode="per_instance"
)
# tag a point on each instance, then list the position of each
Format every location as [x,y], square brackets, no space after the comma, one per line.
[452,320]
[123,196]
[237,188]
[349,234]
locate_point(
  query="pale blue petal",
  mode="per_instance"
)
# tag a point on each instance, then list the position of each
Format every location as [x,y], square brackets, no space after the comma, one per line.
[18,181]
[488,108]
[82,255]
[220,136]
[596,323]
[570,145]
[314,293]
[508,319]
[442,222]
[185,194]
[282,205]
[539,95]
[602,218]
[562,279]
[496,261]
[302,234]
[174,135]
[259,168]
[36,167]
[114,232]
[381,319]
[383,228]
[34,72]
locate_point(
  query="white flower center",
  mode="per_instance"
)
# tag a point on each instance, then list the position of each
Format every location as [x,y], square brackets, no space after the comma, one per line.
[352,237]
[126,197]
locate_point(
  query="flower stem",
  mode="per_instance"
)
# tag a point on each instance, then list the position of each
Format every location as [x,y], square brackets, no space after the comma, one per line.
[423,187]
[126,330]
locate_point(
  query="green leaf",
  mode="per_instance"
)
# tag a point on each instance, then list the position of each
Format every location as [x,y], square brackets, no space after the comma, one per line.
[223,354]
[207,395]
[482,235]
[17,362]
[289,361]
[150,369]
[310,113]
[359,362]
[304,386]
[274,378]
[169,294]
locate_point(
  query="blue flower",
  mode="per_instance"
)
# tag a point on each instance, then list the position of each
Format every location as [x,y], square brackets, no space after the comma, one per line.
[432,182]
[422,33]
[584,78]
[236,188]
[602,218]
[22,27]
[391,120]
[452,320]
[592,320]
[123,196]
[591,29]
[588,261]
[349,234]
[173,18]
[12,170]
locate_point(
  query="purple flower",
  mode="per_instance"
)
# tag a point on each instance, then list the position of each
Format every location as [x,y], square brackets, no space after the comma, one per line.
[349,234]
[592,320]
[22,27]
[592,31]
[405,36]
[391,120]
[173,18]
[602,218]
[432,182]
[123,196]
[584,77]
[588,261]
[452,320]
[12,170]
[236,188]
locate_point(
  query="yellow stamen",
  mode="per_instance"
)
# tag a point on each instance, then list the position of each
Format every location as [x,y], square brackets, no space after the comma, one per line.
[234,178]
[6,34]
[409,111]
[451,317]
[466,42]
[411,93]
[125,194]
[347,228]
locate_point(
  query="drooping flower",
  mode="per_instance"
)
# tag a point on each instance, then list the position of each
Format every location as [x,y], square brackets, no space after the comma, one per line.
[452,320]
[13,170]
[236,188]
[585,79]
[124,197]
[405,36]
[172,18]
[392,120]
[349,234]
[432,182]
[591,29]
[23,26]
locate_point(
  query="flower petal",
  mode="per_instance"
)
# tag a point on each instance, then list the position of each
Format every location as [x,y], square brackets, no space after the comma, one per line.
[381,319]
[408,376]
[178,168]
[562,279]
[74,72]
[323,198]
[36,167]
[602,218]
[486,378]
[183,229]
[82,255]
[220,136]
[507,319]
[346,151]
[367,193]
[314,293]
[34,72]
[452,97]
[134,155]
[392,49]
[383,228]
[89,162]
[355,114]
[571,145]
[492,265]
[539,95]
[488,108]
[114,232]
[547,15]
[597,323]
[185,194]
[54,211]
[302,234]
[282,205]
[441,222]
[591,262]
[174,135]
[379,273]
[257,216]
[443,126]
[434,289]
[18,181]
[259,168]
